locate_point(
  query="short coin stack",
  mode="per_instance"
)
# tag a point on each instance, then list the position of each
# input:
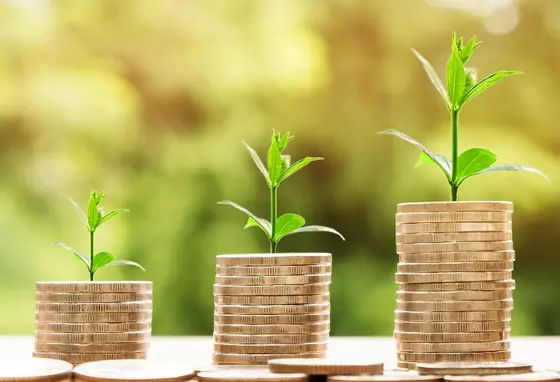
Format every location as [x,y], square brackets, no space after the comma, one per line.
[91,321]
[271,306]
[455,282]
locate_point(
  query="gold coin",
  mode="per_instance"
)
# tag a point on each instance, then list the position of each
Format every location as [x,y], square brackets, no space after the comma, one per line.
[14,369]
[455,207]
[77,359]
[135,369]
[95,287]
[76,338]
[478,369]
[463,295]
[123,347]
[446,277]
[113,307]
[454,306]
[457,257]
[386,377]
[533,377]
[258,359]
[282,270]
[92,317]
[429,317]
[269,348]
[271,329]
[451,237]
[265,339]
[453,217]
[469,246]
[273,280]
[252,374]
[275,259]
[270,319]
[408,366]
[326,366]
[451,337]
[272,309]
[414,228]
[455,357]
[477,285]
[272,300]
[274,290]
[452,327]
[453,347]
[483,266]
[123,327]
[92,297]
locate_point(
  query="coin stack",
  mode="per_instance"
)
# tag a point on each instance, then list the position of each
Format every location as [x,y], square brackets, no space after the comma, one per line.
[271,306]
[81,322]
[455,292]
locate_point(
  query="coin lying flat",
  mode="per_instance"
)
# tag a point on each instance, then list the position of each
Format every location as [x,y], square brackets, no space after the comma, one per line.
[454,306]
[325,366]
[92,297]
[447,237]
[445,317]
[34,369]
[123,347]
[282,270]
[456,257]
[535,377]
[273,280]
[92,317]
[272,309]
[90,357]
[270,319]
[272,300]
[387,377]
[452,227]
[453,217]
[455,207]
[452,327]
[244,375]
[113,307]
[271,329]
[450,277]
[275,290]
[269,348]
[451,336]
[462,295]
[486,368]
[133,370]
[456,286]
[468,246]
[459,347]
[122,327]
[258,359]
[95,287]
[482,266]
[455,357]
[264,339]
[76,338]
[275,259]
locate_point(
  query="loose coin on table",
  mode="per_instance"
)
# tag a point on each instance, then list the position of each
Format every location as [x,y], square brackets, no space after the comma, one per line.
[325,366]
[386,377]
[533,377]
[249,374]
[484,368]
[133,370]
[35,369]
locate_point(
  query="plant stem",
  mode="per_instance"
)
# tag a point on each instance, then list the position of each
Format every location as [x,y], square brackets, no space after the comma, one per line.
[455,153]
[273,214]
[91,255]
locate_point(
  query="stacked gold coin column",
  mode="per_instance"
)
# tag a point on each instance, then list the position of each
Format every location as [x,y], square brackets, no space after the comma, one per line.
[455,282]
[82,322]
[271,306]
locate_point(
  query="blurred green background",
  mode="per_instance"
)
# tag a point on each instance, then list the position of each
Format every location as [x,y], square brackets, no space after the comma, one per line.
[150,100]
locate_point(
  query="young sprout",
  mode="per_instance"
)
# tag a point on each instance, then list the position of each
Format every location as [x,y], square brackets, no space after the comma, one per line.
[462,86]
[279,169]
[95,218]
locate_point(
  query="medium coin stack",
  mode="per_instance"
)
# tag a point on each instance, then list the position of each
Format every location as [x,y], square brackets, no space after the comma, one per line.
[271,306]
[81,322]
[455,281]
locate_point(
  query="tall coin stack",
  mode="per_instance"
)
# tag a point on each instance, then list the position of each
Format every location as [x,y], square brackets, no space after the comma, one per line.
[271,306]
[92,321]
[455,282]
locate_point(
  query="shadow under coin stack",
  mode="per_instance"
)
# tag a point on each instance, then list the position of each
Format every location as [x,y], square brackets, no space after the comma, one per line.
[455,282]
[93,321]
[271,306]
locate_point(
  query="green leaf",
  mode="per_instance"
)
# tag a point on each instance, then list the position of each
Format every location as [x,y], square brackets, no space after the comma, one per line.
[102,259]
[275,165]
[456,77]
[425,159]
[80,213]
[93,211]
[487,82]
[258,162]
[283,142]
[264,224]
[287,159]
[468,50]
[297,166]
[433,77]
[513,167]
[316,228]
[110,215]
[78,255]
[253,223]
[470,80]
[122,263]
[442,162]
[286,224]
[473,161]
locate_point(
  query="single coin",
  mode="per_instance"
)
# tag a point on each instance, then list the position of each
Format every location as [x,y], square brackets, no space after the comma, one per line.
[275,259]
[113,307]
[462,295]
[457,257]
[455,357]
[258,359]
[482,266]
[451,336]
[123,347]
[452,327]
[123,327]
[95,287]
[455,207]
[266,339]
[460,347]
[269,348]
[33,369]
[92,297]
[275,290]
[457,286]
[273,280]
[252,374]
[387,377]
[454,306]
[451,237]
[77,358]
[535,377]
[272,309]
[272,300]
[453,217]
[271,329]
[411,228]
[326,366]
[76,338]
[429,317]
[92,317]
[468,246]
[478,369]
[282,270]
[407,365]
[447,277]
[133,370]
[270,319]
